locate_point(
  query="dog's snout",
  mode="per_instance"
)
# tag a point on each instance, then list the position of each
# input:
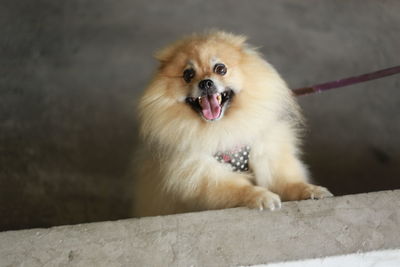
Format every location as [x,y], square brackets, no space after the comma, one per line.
[206,84]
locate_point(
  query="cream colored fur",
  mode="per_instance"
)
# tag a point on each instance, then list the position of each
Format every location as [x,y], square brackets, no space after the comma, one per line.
[176,170]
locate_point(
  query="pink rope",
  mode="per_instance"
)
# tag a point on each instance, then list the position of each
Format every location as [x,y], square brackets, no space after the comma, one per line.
[346,81]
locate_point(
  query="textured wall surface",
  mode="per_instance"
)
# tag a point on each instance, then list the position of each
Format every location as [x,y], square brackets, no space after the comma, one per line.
[232,237]
[71,71]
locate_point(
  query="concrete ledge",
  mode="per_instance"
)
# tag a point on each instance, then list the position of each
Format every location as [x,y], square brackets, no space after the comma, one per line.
[306,229]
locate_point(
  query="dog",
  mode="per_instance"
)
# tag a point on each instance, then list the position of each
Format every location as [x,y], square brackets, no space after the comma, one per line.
[219,129]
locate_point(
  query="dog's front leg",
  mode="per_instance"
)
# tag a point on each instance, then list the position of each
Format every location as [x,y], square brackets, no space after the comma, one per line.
[234,191]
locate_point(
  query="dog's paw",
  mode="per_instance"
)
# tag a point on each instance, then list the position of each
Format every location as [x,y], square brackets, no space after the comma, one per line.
[302,191]
[316,192]
[261,198]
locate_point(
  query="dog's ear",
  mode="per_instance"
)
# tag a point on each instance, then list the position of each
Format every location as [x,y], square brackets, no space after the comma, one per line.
[165,54]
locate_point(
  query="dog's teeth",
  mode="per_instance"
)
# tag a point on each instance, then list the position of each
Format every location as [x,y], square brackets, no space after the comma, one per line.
[219,98]
[199,98]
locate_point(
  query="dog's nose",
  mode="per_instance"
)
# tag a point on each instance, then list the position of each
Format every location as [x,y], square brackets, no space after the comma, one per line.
[206,84]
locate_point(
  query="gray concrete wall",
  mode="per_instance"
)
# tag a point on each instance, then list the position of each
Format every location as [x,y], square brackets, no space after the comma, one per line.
[233,237]
[71,71]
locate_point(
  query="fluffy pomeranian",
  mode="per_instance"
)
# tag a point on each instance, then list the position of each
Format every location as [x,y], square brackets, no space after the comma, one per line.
[220,129]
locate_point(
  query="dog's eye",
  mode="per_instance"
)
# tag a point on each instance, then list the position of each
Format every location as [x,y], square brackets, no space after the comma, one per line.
[188,75]
[220,69]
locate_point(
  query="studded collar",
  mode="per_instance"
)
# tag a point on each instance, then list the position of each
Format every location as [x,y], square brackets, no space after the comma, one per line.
[238,158]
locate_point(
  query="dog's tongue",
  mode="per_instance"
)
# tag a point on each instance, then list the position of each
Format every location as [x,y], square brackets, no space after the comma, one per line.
[210,107]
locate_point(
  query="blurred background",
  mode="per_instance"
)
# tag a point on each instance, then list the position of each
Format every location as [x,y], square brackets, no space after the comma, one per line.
[71,73]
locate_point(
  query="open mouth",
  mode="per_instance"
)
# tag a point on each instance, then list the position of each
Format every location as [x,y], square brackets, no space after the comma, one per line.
[211,106]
